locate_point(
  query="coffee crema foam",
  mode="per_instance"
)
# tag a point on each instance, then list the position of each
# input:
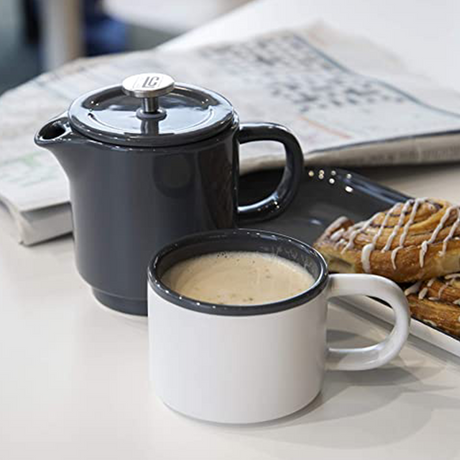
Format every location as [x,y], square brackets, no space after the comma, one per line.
[238,278]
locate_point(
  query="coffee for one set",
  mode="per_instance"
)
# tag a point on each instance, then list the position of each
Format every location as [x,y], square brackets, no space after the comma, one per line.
[237,318]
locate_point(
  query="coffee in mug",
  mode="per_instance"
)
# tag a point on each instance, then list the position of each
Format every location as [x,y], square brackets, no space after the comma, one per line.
[252,362]
[238,278]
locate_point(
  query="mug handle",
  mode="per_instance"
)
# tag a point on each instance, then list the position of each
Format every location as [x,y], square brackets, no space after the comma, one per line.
[278,201]
[357,359]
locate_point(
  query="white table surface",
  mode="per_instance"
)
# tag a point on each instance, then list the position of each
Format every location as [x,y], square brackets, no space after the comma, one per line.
[74,375]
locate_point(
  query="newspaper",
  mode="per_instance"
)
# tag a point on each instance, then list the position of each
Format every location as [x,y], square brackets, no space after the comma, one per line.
[349,102]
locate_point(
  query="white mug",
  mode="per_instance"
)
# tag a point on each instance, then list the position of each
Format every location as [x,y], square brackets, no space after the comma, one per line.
[247,364]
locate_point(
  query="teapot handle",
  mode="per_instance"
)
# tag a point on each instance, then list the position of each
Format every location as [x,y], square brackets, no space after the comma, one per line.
[280,199]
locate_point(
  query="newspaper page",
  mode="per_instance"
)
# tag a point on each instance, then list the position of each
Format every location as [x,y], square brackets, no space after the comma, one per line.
[349,102]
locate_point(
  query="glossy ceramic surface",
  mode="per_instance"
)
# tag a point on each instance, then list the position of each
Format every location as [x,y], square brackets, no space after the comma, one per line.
[240,240]
[127,203]
[257,362]
[188,114]
[324,195]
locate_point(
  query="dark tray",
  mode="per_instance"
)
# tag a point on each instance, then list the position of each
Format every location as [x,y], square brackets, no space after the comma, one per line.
[325,194]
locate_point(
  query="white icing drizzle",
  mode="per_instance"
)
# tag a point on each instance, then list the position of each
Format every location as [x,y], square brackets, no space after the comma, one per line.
[442,289]
[360,227]
[367,250]
[403,237]
[422,293]
[451,278]
[394,253]
[398,225]
[365,257]
[457,302]
[430,282]
[337,234]
[432,239]
[413,289]
[336,224]
[351,241]
[382,226]
[421,254]
[451,233]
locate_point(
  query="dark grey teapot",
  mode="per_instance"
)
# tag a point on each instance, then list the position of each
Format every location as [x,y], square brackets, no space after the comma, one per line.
[144,174]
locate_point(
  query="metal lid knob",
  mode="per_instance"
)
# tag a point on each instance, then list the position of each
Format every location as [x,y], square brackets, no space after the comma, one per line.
[149,87]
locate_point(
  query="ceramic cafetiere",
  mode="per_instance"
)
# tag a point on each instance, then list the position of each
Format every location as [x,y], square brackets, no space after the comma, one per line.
[149,161]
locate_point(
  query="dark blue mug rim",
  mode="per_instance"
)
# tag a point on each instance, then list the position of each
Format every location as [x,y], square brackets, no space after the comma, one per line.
[235,236]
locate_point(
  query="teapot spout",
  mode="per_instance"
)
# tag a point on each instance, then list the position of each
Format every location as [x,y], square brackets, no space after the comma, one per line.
[58,137]
[54,132]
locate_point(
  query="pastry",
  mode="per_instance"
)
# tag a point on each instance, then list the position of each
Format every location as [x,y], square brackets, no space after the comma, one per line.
[415,240]
[437,302]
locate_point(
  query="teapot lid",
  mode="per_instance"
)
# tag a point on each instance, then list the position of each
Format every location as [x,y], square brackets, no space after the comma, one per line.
[168,113]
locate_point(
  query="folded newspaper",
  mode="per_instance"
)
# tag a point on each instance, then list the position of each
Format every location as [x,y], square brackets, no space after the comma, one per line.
[349,102]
